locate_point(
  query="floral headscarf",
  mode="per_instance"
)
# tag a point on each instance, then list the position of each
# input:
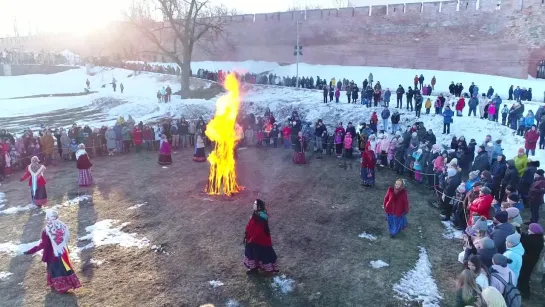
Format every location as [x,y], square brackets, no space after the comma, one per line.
[57,232]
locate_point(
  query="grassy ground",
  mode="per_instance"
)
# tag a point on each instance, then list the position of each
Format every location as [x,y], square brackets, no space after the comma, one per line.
[317,212]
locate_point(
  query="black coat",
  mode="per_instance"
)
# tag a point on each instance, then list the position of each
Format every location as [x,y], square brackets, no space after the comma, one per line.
[395,118]
[511,176]
[452,184]
[430,138]
[527,178]
[498,171]
[481,162]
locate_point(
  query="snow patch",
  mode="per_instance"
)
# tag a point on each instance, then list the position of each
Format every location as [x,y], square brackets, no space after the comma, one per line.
[377,264]
[418,284]
[2,199]
[104,233]
[137,206]
[215,283]
[15,210]
[367,236]
[450,232]
[16,249]
[283,284]
[73,202]
[96,262]
[164,167]
[232,303]
[5,275]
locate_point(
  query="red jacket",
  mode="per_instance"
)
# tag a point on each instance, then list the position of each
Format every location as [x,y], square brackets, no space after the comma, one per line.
[84,162]
[416,80]
[341,129]
[286,132]
[531,139]
[480,206]
[255,232]
[374,118]
[45,245]
[460,104]
[137,136]
[41,180]
[148,136]
[396,204]
[368,159]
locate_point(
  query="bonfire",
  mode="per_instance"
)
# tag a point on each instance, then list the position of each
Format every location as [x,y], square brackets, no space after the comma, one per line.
[221,130]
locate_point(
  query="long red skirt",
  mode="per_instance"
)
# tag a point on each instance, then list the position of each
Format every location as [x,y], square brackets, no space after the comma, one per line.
[85,177]
[299,158]
[60,278]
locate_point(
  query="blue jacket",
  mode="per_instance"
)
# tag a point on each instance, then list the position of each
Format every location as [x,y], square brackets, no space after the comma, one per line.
[515,253]
[470,183]
[496,151]
[417,164]
[517,92]
[497,102]
[528,121]
[387,96]
[447,116]
[505,111]
[475,91]
[118,133]
[385,114]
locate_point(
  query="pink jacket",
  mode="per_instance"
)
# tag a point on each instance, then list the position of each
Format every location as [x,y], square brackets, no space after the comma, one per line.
[491,109]
[348,141]
[384,144]
[439,164]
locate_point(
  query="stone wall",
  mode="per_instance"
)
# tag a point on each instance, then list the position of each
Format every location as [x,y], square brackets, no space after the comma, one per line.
[507,40]
[18,70]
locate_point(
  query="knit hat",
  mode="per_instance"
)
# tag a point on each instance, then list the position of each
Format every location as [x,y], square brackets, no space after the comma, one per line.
[451,172]
[514,197]
[398,133]
[513,239]
[461,188]
[492,296]
[474,174]
[481,225]
[414,134]
[501,260]
[454,161]
[478,184]
[535,228]
[512,212]
[540,172]
[487,243]
[486,190]
[501,216]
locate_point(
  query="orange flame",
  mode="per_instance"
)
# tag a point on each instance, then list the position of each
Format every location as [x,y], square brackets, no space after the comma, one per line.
[222,131]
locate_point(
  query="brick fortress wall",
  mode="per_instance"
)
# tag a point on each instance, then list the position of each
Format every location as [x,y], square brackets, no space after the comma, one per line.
[446,35]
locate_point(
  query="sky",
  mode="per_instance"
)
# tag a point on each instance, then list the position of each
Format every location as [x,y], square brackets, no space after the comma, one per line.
[82,16]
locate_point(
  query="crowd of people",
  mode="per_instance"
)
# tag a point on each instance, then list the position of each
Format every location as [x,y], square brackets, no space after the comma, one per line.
[19,57]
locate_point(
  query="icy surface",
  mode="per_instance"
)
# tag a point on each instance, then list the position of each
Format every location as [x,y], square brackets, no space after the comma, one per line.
[5,275]
[16,249]
[215,283]
[15,210]
[451,232]
[367,236]
[283,284]
[377,264]
[137,206]
[105,233]
[418,284]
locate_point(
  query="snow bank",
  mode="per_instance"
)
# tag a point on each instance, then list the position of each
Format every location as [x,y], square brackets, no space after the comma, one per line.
[377,264]
[15,210]
[76,201]
[367,236]
[418,284]
[16,249]
[103,233]
[5,275]
[2,200]
[137,206]
[450,232]
[283,284]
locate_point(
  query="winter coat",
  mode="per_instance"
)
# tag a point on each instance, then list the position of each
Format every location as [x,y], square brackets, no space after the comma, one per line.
[505,273]
[137,136]
[496,151]
[348,141]
[385,114]
[460,104]
[529,121]
[527,178]
[47,144]
[395,118]
[511,176]
[396,204]
[428,104]
[498,171]
[387,95]
[521,163]
[473,102]
[531,137]
[486,255]
[110,138]
[491,109]
[481,163]
[391,149]
[417,161]
[533,245]
[537,190]
[84,162]
[515,253]
[481,206]
[400,91]
[418,99]
[447,116]
[500,234]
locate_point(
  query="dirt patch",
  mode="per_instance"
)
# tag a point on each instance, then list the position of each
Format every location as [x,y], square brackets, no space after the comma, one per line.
[317,212]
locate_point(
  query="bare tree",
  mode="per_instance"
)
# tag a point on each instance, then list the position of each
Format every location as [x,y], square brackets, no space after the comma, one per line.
[175,27]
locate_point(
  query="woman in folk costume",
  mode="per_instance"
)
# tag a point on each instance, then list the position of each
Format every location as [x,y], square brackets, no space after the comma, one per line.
[368,162]
[396,207]
[165,157]
[200,154]
[299,149]
[348,145]
[85,178]
[36,182]
[258,250]
[54,243]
